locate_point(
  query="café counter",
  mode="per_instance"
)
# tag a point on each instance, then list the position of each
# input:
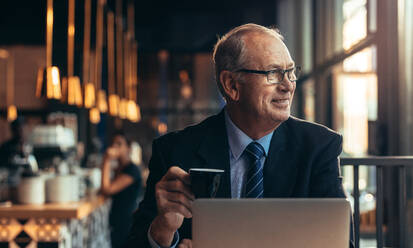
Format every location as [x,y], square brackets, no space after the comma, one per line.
[76,224]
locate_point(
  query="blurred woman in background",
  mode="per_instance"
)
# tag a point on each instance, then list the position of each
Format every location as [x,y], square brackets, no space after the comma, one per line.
[124,187]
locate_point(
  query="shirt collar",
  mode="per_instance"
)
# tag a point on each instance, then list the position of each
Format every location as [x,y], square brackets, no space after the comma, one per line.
[238,140]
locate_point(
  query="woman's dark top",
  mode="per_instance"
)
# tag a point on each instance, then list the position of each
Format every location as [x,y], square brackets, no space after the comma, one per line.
[124,203]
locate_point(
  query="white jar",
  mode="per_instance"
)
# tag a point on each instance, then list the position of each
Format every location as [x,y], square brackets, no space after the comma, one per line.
[31,190]
[62,189]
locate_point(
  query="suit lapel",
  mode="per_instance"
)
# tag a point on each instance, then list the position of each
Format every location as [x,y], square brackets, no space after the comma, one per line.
[214,150]
[280,169]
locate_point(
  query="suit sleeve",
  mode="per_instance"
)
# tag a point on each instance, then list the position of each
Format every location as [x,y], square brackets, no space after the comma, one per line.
[147,210]
[326,178]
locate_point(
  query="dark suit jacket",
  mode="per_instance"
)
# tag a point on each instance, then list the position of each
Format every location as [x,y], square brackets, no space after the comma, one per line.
[302,162]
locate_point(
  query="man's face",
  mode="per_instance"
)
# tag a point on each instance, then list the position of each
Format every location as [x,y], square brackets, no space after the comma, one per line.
[257,98]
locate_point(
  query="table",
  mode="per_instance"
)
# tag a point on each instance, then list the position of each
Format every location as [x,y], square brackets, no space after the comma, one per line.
[61,225]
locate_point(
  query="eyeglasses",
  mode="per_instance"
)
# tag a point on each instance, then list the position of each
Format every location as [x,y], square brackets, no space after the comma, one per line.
[277,75]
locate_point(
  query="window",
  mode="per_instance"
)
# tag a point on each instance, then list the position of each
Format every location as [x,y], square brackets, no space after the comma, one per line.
[355,99]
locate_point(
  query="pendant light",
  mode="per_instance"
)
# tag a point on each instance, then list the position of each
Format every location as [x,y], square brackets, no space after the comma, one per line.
[123,103]
[72,92]
[4,54]
[11,113]
[48,79]
[11,108]
[94,115]
[113,97]
[123,108]
[101,94]
[135,73]
[89,87]
[126,75]
[133,111]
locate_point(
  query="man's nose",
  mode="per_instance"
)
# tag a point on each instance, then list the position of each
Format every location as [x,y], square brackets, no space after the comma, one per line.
[286,85]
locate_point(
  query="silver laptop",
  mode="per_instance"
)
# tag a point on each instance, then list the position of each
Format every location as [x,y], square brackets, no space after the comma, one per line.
[292,223]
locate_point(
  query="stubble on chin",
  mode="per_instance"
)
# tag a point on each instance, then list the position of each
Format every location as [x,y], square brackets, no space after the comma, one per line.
[281,116]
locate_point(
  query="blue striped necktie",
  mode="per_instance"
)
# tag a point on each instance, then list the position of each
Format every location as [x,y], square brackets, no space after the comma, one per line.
[255,175]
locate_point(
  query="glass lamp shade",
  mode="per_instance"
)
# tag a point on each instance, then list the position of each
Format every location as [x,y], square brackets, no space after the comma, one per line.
[11,113]
[162,128]
[114,105]
[4,54]
[102,103]
[133,112]
[94,115]
[186,91]
[72,91]
[48,83]
[89,95]
[123,108]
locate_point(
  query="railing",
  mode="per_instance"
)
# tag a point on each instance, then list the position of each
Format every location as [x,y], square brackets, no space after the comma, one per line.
[380,162]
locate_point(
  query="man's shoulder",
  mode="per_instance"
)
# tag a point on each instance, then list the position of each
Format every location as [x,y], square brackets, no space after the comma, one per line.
[190,134]
[309,126]
[306,131]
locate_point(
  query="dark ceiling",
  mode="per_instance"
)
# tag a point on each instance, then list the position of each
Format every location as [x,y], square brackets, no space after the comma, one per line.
[189,26]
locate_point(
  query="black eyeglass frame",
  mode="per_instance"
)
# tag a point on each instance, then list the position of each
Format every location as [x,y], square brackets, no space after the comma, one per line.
[296,68]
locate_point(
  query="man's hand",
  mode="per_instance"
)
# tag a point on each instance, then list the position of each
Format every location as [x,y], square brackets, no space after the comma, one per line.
[174,200]
[186,243]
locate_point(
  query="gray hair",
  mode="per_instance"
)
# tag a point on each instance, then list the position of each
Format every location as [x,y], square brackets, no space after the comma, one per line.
[230,52]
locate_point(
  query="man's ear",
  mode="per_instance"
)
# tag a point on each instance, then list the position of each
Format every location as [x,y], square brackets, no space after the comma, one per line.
[229,85]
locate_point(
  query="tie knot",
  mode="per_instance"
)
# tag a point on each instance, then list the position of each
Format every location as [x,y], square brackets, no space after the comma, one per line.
[256,150]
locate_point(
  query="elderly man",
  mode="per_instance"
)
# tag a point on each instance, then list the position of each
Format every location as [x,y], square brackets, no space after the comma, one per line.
[291,157]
